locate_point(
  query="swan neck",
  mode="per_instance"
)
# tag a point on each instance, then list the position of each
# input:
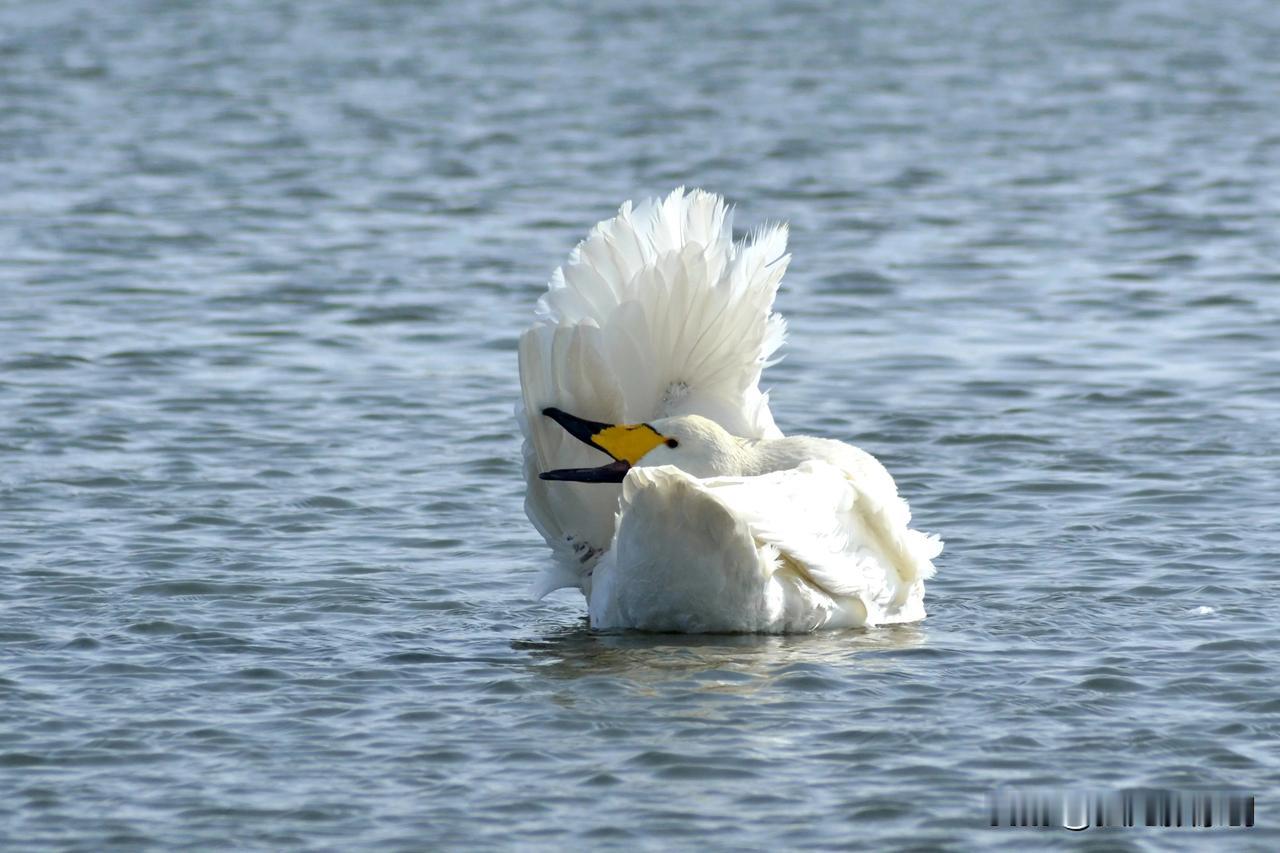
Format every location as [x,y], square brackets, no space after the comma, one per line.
[755,456]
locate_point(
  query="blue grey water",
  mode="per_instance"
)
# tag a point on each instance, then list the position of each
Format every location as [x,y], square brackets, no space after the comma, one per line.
[263,558]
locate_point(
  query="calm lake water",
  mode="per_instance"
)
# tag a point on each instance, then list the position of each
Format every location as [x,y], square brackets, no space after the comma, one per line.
[263,559]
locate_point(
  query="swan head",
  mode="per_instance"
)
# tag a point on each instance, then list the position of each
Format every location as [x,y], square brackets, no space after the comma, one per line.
[692,443]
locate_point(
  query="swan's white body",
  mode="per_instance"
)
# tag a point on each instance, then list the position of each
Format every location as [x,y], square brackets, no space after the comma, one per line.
[659,317]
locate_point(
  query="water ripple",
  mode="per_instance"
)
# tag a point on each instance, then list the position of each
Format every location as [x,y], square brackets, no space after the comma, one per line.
[264,554]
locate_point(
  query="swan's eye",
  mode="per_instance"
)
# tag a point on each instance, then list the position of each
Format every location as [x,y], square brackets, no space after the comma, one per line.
[671,442]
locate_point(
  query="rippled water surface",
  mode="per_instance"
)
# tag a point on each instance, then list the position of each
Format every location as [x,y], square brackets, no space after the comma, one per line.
[262,551]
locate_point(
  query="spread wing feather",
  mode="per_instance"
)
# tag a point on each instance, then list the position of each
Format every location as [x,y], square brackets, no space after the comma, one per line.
[656,313]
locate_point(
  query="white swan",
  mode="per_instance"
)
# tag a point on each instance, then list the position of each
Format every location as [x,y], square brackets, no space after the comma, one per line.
[648,347]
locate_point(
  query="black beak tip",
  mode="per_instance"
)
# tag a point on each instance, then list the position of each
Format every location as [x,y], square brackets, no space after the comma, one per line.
[580,428]
[614,472]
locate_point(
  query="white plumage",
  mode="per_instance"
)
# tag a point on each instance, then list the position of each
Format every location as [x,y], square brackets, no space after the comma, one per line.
[723,525]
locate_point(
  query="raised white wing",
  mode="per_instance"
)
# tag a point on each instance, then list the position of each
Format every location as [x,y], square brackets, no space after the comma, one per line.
[656,313]
[794,550]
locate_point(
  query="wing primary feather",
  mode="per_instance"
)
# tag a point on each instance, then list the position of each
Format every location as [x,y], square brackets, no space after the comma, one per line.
[624,281]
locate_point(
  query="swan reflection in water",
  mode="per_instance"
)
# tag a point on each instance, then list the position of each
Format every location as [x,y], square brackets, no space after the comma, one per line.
[724,662]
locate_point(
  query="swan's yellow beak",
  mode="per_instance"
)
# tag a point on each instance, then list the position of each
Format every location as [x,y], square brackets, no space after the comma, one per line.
[626,443]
